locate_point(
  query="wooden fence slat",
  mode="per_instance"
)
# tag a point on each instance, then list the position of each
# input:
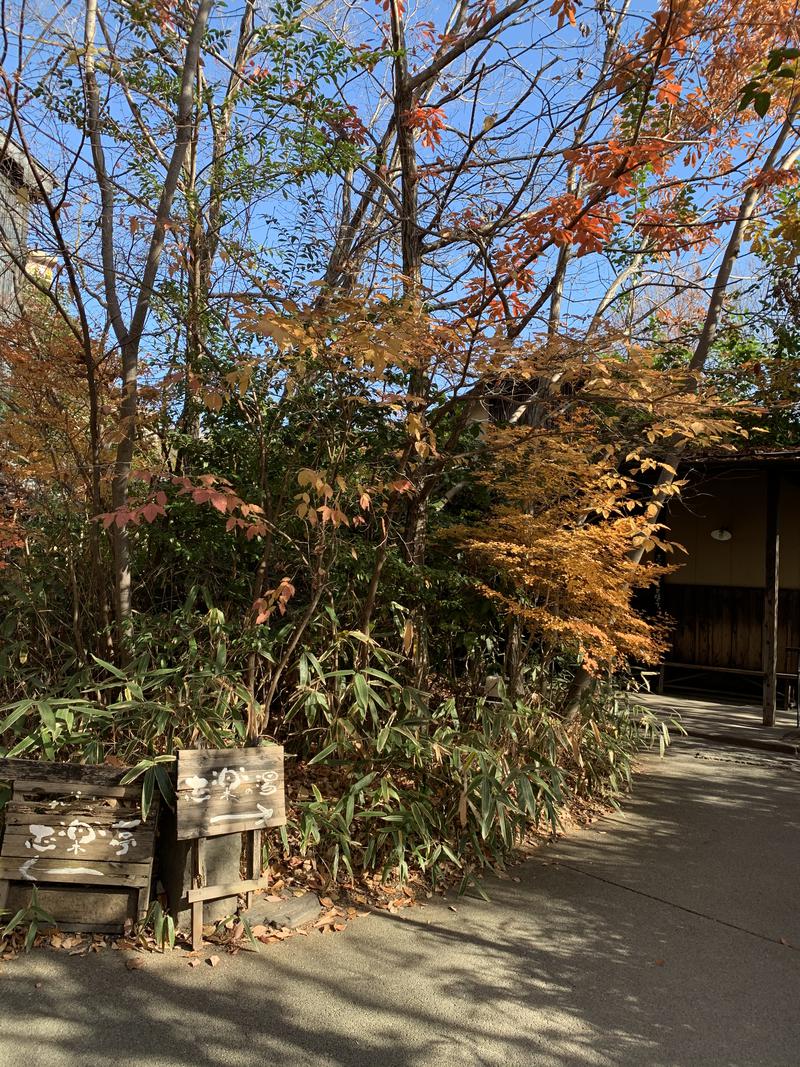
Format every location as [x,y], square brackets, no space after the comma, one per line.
[78,774]
[81,873]
[232,889]
[21,815]
[39,790]
[193,761]
[19,845]
[109,906]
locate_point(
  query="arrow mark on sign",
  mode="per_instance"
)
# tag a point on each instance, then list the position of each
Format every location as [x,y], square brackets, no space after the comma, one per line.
[262,815]
[25,868]
[74,870]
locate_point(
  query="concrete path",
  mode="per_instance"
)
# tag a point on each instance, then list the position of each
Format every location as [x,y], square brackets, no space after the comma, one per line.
[654,938]
[728,723]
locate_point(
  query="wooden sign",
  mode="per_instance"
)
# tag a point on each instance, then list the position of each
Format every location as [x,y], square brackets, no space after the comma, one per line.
[227,791]
[72,826]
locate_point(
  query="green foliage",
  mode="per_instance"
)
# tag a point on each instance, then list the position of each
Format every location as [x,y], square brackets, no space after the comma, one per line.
[403,762]
[326,606]
[781,63]
[29,918]
[416,786]
[163,926]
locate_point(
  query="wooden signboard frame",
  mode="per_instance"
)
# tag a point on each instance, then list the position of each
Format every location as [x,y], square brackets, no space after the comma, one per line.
[222,792]
[73,827]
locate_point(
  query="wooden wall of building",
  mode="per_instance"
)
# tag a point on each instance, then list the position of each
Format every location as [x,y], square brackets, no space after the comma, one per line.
[737,502]
[721,626]
[14,208]
[716,597]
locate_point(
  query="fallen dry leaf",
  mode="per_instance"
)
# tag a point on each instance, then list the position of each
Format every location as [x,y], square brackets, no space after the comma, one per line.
[340,926]
[194,963]
[135,963]
[259,930]
[213,961]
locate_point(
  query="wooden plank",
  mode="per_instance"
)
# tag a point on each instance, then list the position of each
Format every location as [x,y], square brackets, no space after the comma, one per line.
[228,816]
[721,670]
[136,848]
[198,874]
[89,872]
[704,626]
[771,597]
[193,761]
[71,905]
[736,631]
[99,832]
[21,815]
[253,860]
[223,791]
[22,770]
[725,631]
[71,807]
[36,788]
[142,902]
[790,619]
[68,926]
[214,892]
[694,615]
[203,824]
[755,609]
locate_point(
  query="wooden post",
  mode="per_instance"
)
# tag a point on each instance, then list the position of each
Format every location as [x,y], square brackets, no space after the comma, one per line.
[771,590]
[198,878]
[253,861]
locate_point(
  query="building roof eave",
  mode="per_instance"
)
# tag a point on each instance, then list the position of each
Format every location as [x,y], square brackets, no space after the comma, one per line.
[32,174]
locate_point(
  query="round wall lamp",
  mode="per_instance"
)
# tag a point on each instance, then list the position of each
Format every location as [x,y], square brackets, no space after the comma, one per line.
[722,534]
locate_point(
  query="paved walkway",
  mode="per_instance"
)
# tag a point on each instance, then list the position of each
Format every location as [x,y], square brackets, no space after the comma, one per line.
[728,722]
[654,938]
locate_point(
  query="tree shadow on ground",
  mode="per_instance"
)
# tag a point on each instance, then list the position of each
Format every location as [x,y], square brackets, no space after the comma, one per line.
[562,967]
